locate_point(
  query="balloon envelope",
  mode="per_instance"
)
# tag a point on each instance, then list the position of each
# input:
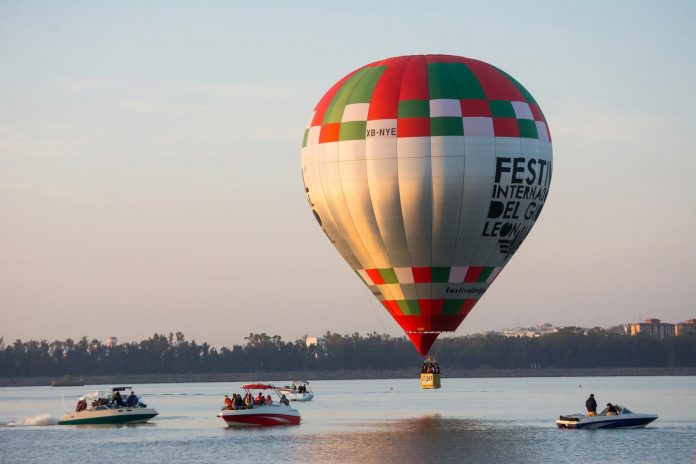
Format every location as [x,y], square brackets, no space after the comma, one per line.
[426,173]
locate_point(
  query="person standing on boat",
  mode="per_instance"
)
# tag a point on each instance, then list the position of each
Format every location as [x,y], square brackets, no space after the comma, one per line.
[117,399]
[591,405]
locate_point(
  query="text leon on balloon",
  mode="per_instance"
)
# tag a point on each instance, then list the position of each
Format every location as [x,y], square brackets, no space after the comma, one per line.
[520,189]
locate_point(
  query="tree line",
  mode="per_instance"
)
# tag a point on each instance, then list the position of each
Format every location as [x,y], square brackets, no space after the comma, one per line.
[571,347]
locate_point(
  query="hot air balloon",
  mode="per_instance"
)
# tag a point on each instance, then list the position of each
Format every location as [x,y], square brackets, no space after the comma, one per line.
[426,173]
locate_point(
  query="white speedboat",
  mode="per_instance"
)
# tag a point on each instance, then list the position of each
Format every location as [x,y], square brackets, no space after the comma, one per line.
[298,391]
[623,419]
[120,406]
[261,415]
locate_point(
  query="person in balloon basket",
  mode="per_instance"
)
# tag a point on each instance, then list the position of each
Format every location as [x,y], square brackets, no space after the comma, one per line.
[591,405]
[611,410]
[430,366]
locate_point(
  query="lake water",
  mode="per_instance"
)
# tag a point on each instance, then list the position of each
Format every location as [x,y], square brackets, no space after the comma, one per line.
[498,420]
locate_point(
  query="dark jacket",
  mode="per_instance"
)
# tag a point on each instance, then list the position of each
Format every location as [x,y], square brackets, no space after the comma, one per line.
[591,404]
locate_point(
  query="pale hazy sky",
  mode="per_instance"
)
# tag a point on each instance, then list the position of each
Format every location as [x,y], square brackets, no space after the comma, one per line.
[150,162]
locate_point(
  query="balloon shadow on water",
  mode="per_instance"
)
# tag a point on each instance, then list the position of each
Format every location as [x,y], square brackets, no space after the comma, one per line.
[430,438]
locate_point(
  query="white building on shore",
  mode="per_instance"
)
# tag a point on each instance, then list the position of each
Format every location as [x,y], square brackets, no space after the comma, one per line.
[530,332]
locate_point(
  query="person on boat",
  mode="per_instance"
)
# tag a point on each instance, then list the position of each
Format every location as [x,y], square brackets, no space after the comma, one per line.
[228,402]
[132,400]
[117,399]
[238,401]
[259,399]
[284,400]
[249,400]
[591,405]
[81,405]
[269,400]
[611,410]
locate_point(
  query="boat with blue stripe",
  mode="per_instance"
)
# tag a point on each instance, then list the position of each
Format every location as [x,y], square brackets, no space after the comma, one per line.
[623,418]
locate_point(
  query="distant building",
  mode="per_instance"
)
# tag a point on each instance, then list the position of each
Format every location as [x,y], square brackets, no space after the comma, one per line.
[530,332]
[110,342]
[318,342]
[685,328]
[654,328]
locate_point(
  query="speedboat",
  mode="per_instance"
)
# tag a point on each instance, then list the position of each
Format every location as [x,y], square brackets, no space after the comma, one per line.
[298,391]
[261,415]
[104,408]
[623,419]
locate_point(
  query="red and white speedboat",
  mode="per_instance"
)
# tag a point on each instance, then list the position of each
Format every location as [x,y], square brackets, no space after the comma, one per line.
[262,415]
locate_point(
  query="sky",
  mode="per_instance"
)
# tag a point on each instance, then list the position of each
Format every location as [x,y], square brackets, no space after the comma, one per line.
[150,175]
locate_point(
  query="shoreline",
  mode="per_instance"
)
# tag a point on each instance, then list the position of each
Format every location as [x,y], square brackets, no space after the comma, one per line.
[352,374]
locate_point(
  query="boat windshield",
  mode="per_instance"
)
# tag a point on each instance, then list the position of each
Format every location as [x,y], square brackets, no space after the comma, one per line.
[619,410]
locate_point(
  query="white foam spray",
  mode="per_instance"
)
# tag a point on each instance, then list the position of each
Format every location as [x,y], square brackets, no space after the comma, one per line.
[41,419]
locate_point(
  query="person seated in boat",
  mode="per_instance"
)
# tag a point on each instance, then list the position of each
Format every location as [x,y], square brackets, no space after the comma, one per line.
[259,399]
[132,400]
[228,402]
[268,400]
[591,405]
[238,401]
[248,400]
[611,410]
[284,400]
[81,405]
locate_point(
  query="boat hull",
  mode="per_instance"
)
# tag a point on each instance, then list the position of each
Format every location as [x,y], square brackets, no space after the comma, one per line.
[636,421]
[294,396]
[108,416]
[261,416]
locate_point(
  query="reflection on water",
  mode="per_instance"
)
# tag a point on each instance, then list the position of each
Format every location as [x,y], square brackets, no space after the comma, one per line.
[430,438]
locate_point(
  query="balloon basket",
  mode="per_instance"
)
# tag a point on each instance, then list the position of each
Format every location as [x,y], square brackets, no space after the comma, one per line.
[429,380]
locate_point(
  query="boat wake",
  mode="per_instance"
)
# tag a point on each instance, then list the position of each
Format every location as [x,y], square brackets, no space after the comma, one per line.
[41,419]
